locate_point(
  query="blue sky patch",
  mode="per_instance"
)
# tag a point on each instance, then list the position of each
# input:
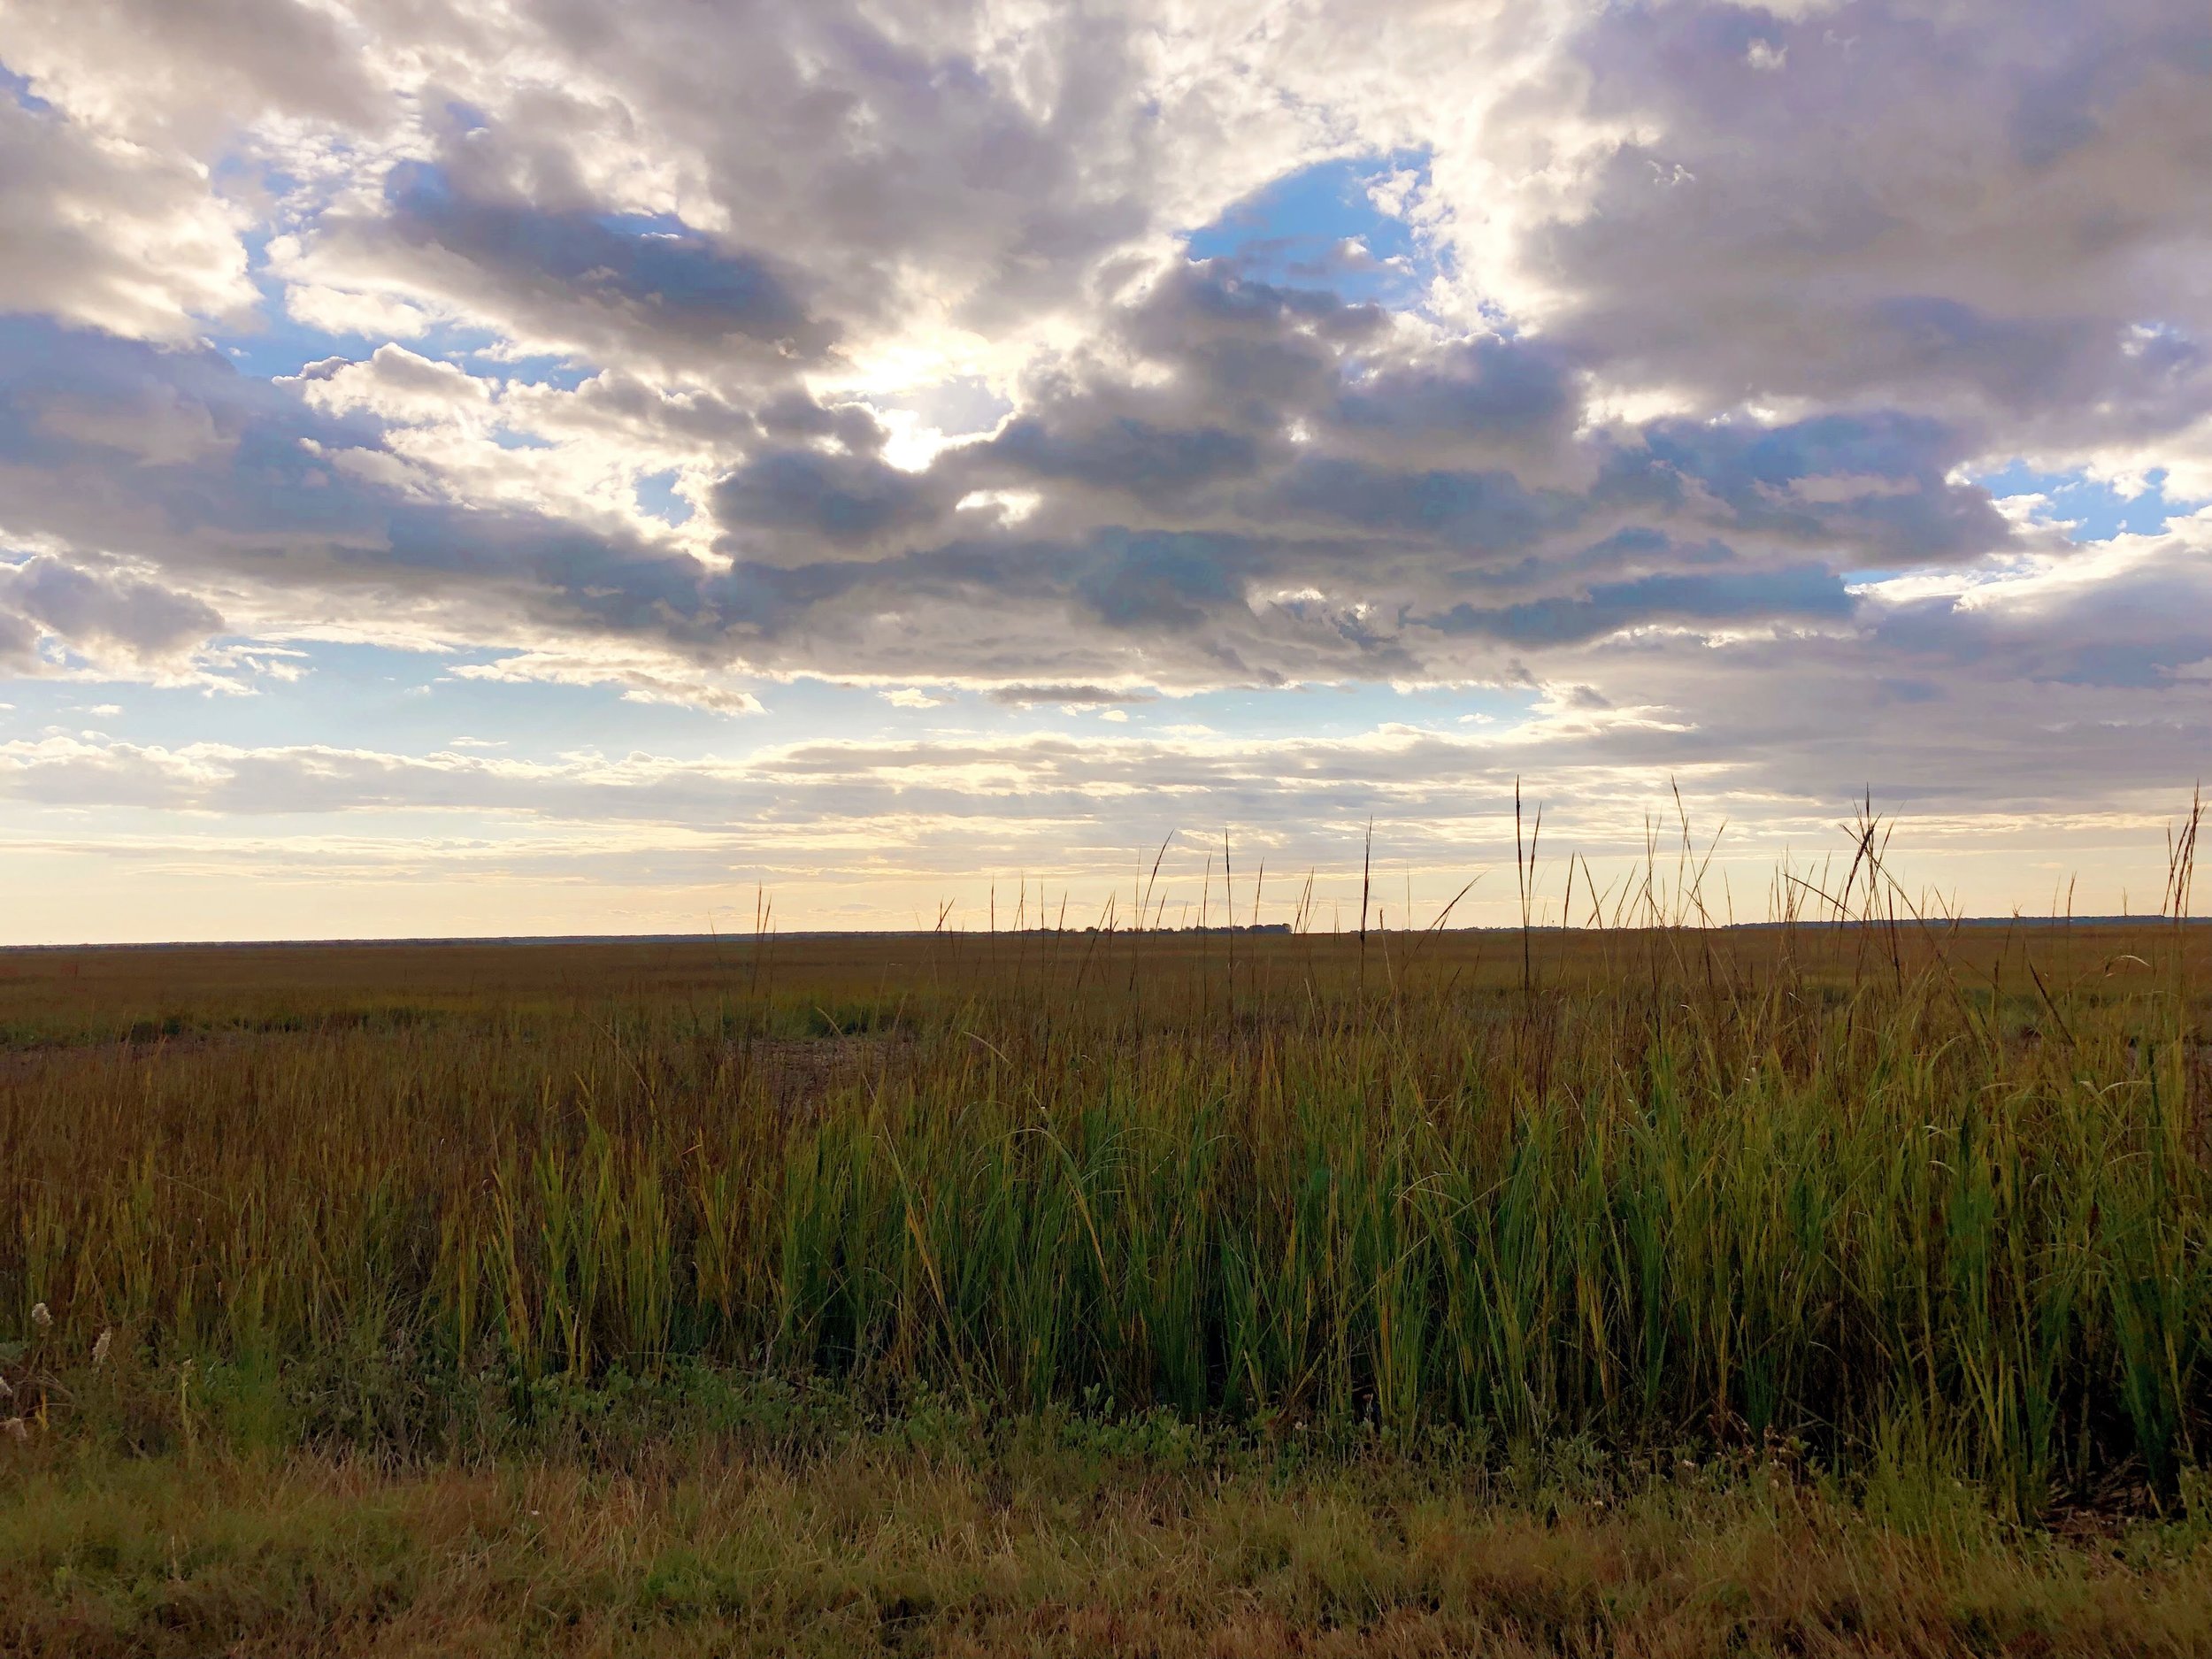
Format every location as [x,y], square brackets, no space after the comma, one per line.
[2097,511]
[19,88]
[656,494]
[1295,232]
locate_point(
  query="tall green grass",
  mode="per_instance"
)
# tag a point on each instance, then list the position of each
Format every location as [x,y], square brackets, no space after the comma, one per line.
[1835,1186]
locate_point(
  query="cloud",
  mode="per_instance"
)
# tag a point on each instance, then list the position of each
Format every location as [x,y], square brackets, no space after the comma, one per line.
[307,517]
[710,190]
[1067,697]
[109,235]
[447,238]
[1868,202]
[1801,593]
[1307,561]
[1670,420]
[643,678]
[801,504]
[192,73]
[96,609]
[1486,398]
[395,384]
[1124,455]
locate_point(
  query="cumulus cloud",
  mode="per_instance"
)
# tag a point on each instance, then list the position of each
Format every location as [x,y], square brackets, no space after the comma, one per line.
[92,609]
[396,384]
[1936,205]
[110,235]
[192,72]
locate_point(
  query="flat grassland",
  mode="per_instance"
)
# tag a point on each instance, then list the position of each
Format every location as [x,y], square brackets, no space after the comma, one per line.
[1805,1289]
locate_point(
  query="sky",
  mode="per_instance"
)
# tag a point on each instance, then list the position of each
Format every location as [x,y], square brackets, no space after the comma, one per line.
[549,467]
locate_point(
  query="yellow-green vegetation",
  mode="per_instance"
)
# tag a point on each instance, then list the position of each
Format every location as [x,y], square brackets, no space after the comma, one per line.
[948,1532]
[1809,1288]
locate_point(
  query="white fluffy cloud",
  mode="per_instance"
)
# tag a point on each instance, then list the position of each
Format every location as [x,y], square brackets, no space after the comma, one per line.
[108,234]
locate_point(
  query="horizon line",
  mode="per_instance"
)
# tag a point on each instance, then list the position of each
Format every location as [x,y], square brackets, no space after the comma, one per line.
[1269,929]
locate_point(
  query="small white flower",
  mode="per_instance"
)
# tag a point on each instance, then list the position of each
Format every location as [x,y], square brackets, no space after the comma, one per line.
[40,1317]
[16,1428]
[100,1348]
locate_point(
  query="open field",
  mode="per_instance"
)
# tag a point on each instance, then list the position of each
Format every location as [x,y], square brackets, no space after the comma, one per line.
[1809,1289]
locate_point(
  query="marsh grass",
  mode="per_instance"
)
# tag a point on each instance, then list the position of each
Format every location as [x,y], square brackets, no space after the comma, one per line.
[1916,1202]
